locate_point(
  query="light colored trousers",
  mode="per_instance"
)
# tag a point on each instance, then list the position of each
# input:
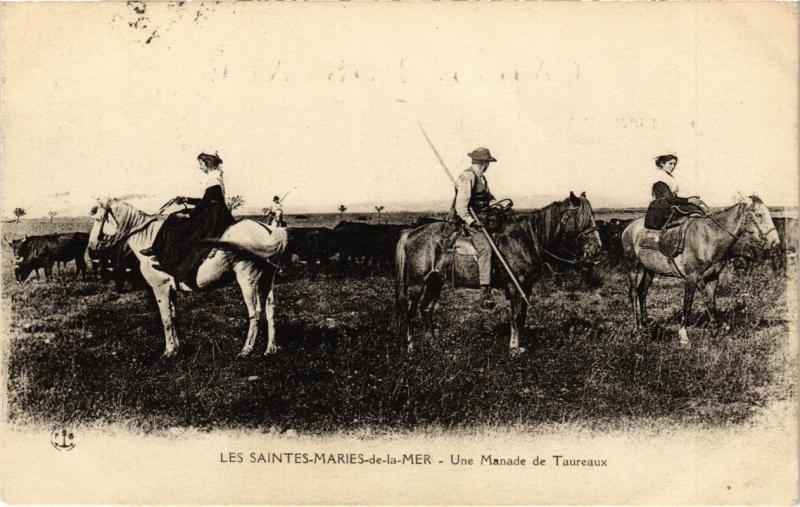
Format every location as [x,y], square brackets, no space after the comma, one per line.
[484,256]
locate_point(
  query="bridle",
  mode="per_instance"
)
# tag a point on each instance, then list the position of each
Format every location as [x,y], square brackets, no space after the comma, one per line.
[106,213]
[747,217]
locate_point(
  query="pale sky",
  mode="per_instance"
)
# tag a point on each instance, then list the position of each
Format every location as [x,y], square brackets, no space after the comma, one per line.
[326,97]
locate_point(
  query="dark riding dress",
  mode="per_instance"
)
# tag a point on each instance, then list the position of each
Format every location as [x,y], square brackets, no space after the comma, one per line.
[666,211]
[176,247]
[661,210]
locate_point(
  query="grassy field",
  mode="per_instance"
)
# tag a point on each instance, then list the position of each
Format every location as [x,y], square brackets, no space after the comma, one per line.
[78,353]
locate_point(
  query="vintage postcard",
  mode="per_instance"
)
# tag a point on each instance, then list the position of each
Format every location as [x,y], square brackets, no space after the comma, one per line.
[399,253]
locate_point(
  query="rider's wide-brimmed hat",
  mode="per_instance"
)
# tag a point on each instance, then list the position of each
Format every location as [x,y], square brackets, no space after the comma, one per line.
[481,155]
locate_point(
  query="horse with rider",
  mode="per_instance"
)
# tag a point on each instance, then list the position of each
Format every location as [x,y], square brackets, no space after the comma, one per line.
[484,244]
[682,238]
[197,249]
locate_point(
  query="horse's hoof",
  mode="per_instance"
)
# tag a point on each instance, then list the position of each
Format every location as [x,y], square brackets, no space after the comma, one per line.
[169,354]
[271,350]
[517,351]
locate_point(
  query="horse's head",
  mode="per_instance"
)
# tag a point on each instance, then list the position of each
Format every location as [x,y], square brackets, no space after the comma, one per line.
[759,223]
[577,231]
[105,233]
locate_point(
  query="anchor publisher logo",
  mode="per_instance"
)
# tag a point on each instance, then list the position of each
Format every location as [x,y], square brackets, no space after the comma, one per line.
[62,439]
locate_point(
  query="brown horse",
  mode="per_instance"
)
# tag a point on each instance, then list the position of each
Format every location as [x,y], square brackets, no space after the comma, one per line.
[564,231]
[708,246]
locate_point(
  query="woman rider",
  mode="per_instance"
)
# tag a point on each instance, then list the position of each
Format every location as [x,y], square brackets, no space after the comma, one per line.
[665,196]
[665,164]
[175,248]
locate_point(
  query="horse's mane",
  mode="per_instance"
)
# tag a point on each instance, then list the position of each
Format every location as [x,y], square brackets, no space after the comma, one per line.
[740,204]
[544,221]
[125,214]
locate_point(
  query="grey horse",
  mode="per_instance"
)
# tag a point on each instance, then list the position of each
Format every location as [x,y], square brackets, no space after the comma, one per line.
[707,248]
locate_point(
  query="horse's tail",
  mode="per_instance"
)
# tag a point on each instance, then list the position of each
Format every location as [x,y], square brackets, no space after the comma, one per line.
[250,251]
[229,246]
[628,240]
[400,281]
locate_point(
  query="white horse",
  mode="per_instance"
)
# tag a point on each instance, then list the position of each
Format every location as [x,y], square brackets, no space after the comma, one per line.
[247,250]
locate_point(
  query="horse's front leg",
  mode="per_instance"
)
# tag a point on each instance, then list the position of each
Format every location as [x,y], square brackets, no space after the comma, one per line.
[165,297]
[519,314]
[688,299]
[269,311]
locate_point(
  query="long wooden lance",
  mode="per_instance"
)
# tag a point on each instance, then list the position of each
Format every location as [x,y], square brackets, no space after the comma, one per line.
[480,226]
[280,201]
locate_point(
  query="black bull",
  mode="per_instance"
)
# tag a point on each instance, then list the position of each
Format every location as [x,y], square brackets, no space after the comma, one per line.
[41,252]
[369,246]
[119,264]
[564,230]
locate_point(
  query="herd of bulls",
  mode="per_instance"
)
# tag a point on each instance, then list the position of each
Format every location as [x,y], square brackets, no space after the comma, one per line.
[349,246]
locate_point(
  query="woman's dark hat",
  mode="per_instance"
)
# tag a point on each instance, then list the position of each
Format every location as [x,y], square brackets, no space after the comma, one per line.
[210,160]
[481,155]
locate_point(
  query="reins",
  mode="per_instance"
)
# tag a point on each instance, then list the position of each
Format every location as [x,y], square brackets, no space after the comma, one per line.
[738,238]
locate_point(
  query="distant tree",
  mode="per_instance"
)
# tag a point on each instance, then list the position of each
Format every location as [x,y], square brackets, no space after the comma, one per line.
[51,214]
[379,209]
[342,209]
[235,202]
[19,212]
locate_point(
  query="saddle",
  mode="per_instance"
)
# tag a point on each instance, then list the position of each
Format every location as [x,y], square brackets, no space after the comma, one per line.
[179,247]
[459,251]
[668,241]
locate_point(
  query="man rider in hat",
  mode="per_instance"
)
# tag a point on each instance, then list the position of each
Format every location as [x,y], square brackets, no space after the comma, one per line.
[472,193]
[275,213]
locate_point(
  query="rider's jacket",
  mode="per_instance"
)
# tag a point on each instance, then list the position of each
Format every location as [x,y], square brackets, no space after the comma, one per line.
[472,191]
